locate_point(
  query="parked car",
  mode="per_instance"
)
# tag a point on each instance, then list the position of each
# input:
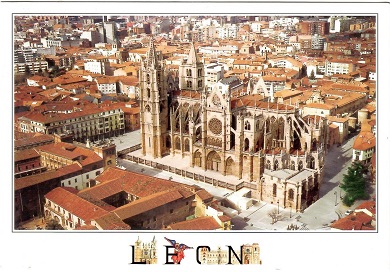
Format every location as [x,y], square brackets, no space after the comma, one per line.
[348,212]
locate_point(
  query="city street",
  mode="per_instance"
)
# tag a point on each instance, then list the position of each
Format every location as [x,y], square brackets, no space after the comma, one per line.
[317,217]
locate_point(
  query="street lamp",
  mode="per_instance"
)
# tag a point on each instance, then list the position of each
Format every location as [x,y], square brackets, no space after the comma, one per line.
[278,205]
[335,193]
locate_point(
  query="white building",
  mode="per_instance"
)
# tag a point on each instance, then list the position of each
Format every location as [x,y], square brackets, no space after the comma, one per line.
[214,72]
[364,147]
[228,31]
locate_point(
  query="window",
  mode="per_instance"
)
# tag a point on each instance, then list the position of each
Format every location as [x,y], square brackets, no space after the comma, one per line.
[97,173]
[75,180]
[290,194]
[268,165]
[189,84]
[247,125]
[171,211]
[274,189]
[87,176]
[68,182]
[276,164]
[300,165]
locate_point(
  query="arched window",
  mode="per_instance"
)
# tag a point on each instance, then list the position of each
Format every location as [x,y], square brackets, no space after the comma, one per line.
[274,189]
[247,125]
[189,84]
[199,72]
[168,142]
[148,78]
[292,165]
[268,165]
[147,108]
[177,144]
[200,82]
[312,163]
[189,72]
[246,144]
[300,165]
[148,92]
[187,145]
[276,165]
[290,194]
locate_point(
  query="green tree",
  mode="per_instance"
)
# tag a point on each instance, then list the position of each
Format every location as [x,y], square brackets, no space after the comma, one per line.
[354,183]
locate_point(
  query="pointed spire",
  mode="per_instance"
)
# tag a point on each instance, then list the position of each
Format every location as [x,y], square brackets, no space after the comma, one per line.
[193,56]
[151,56]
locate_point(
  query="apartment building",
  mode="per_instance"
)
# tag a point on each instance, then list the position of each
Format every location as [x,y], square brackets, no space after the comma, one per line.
[93,123]
[339,66]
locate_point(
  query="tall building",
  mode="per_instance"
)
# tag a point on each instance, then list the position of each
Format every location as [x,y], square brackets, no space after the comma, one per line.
[241,135]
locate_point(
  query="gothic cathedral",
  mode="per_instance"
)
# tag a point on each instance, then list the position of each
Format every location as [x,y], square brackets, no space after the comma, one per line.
[277,153]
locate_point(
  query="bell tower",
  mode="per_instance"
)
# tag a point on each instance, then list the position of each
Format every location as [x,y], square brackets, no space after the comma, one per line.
[191,72]
[153,103]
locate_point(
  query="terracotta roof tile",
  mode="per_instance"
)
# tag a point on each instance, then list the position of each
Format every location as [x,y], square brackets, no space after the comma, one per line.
[147,203]
[114,180]
[69,151]
[364,140]
[28,181]
[111,221]
[200,223]
[354,221]
[76,205]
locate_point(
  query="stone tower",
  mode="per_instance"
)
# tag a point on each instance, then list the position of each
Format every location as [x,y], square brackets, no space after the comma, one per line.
[153,104]
[191,72]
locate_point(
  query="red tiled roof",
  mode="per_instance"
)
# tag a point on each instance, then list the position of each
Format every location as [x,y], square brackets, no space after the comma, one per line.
[111,221]
[69,151]
[114,180]
[320,106]
[28,181]
[224,218]
[147,203]
[368,205]
[255,100]
[25,154]
[364,141]
[354,221]
[76,205]
[200,223]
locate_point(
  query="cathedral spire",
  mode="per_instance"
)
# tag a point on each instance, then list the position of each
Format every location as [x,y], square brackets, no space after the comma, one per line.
[193,56]
[151,56]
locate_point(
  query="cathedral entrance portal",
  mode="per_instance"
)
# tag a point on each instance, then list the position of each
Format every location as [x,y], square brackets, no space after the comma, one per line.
[213,161]
[198,159]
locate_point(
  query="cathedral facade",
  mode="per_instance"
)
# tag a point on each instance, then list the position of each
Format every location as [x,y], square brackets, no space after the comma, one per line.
[248,254]
[243,134]
[145,252]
